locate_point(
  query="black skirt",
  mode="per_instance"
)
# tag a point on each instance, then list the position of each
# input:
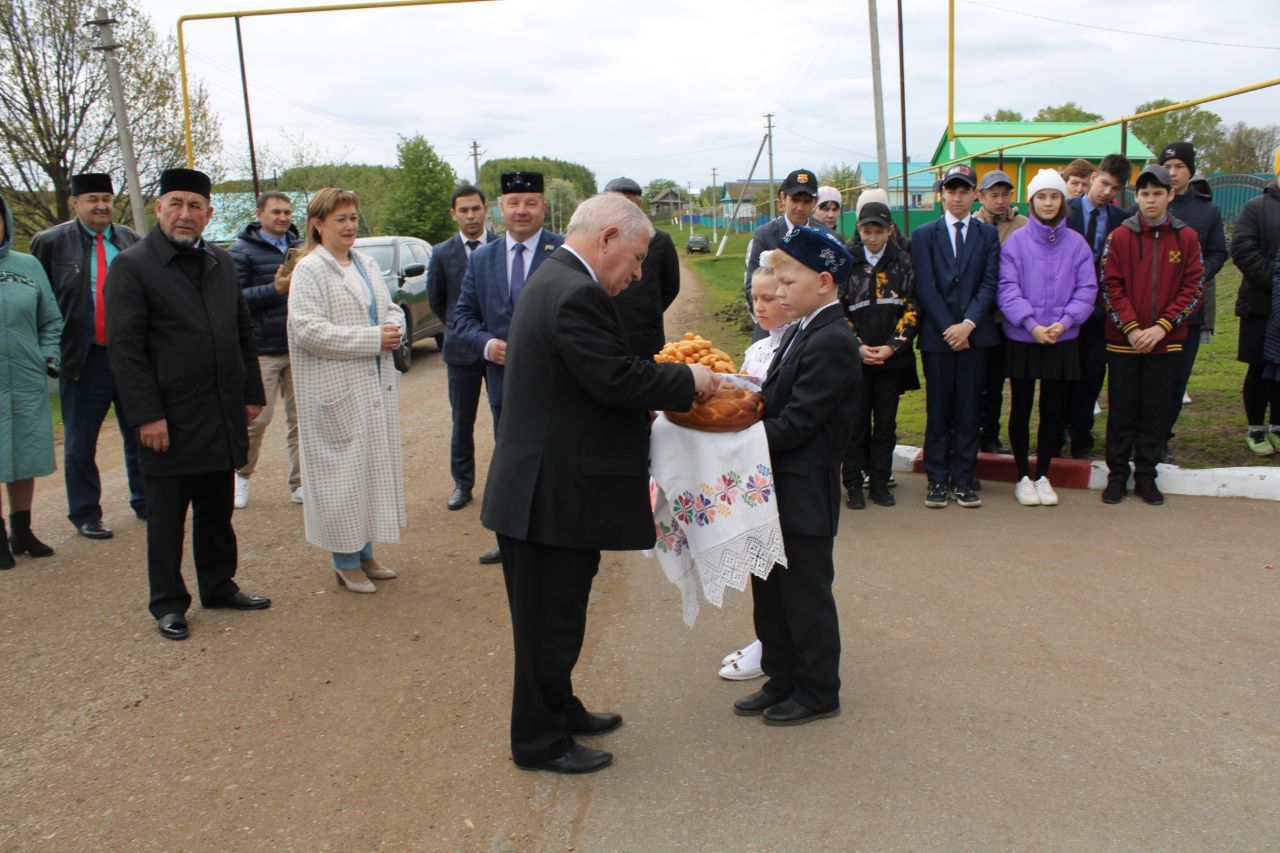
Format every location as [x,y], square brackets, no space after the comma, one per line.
[1253,337]
[1040,361]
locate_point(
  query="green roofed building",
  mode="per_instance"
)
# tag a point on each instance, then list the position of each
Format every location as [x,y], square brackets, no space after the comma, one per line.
[975,141]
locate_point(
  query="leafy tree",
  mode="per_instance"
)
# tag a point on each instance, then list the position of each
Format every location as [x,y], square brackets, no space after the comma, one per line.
[56,116]
[656,187]
[1004,115]
[1245,149]
[562,200]
[1200,127]
[838,175]
[418,205]
[583,179]
[1070,111]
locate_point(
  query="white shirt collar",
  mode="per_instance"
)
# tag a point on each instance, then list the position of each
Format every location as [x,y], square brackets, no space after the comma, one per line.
[530,245]
[804,324]
[873,259]
[951,220]
[481,239]
[590,271]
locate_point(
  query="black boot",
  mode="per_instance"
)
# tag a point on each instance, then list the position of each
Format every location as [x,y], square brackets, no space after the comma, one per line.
[6,556]
[24,541]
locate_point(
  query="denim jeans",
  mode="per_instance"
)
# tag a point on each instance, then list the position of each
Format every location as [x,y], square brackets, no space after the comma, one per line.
[351,560]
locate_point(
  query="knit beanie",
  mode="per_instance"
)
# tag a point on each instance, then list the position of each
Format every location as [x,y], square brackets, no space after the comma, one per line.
[1046,179]
[1183,151]
[881,196]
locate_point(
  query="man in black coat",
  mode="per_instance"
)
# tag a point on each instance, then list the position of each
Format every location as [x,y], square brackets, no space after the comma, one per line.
[1255,240]
[465,368]
[183,355]
[642,305]
[76,255]
[570,473]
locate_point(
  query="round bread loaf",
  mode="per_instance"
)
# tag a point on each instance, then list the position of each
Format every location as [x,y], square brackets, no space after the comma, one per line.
[729,408]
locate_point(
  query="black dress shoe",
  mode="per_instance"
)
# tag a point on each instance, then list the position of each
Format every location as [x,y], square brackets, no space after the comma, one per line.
[792,713]
[140,512]
[1146,489]
[855,500]
[459,498]
[753,704]
[992,445]
[95,530]
[493,555]
[1114,492]
[172,626]
[240,601]
[881,495]
[596,724]
[579,759]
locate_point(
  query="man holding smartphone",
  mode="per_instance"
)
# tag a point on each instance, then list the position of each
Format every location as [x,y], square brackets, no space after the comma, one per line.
[264,266]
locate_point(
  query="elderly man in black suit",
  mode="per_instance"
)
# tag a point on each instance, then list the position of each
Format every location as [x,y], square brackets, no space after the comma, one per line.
[798,198]
[570,473]
[468,207]
[642,304]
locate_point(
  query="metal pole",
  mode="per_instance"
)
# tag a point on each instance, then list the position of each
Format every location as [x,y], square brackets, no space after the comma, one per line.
[248,117]
[715,201]
[733,218]
[1124,152]
[107,44]
[877,92]
[951,78]
[773,199]
[902,102]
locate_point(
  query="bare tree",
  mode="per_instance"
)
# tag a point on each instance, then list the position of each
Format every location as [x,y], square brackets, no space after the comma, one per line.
[55,108]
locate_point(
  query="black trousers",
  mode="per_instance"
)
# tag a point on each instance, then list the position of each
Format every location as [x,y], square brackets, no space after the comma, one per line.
[1138,412]
[465,382]
[953,390]
[213,540]
[992,394]
[1083,395]
[547,591]
[1190,348]
[875,425]
[796,622]
[1053,396]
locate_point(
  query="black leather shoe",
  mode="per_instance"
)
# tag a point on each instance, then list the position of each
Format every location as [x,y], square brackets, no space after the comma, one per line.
[579,759]
[459,498]
[240,601]
[855,500]
[792,713]
[140,512]
[1114,492]
[992,445]
[1146,489]
[493,555]
[881,495]
[753,704]
[95,530]
[596,724]
[172,626]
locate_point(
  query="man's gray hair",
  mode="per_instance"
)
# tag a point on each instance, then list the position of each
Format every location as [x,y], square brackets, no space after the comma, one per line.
[599,212]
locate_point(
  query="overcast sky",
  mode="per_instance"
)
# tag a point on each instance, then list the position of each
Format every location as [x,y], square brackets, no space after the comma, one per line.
[677,87]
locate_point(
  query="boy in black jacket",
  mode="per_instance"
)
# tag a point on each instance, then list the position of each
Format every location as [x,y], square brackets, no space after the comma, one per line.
[809,395]
[880,306]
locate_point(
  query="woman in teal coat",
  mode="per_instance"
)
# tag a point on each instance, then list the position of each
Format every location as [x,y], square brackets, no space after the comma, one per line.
[30,329]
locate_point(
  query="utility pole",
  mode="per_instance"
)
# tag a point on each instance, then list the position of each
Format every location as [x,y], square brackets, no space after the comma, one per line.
[882,159]
[773,201]
[689,195]
[107,44]
[714,202]
[475,158]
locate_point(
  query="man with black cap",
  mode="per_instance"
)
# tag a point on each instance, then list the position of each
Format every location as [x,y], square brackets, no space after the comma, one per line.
[182,349]
[798,198]
[1196,209]
[75,255]
[496,274]
[642,304]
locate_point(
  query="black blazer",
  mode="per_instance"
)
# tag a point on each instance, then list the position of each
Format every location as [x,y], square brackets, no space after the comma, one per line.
[1109,220]
[809,397]
[641,305]
[947,293]
[444,284]
[571,464]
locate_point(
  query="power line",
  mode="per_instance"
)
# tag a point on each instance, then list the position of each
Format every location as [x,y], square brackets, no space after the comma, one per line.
[1093,26]
[827,144]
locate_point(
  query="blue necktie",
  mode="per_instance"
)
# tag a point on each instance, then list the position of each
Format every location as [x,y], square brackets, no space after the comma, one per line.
[517,272]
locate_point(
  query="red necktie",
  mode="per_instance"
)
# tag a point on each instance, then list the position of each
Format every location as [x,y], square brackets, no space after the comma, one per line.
[99,303]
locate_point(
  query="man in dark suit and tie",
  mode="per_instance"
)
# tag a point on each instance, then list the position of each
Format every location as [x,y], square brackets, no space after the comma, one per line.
[1094,216]
[642,304]
[465,369]
[798,198]
[957,261]
[570,473]
[495,277]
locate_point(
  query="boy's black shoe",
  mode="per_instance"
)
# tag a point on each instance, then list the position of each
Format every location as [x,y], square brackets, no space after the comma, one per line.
[967,497]
[1114,492]
[937,496]
[992,445]
[1146,489]
[855,500]
[880,494]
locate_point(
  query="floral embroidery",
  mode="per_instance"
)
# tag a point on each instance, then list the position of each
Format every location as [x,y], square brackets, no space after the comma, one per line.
[704,509]
[727,488]
[759,487]
[671,539]
[682,508]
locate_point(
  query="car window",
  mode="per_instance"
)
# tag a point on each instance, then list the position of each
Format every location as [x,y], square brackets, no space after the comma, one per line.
[419,253]
[383,254]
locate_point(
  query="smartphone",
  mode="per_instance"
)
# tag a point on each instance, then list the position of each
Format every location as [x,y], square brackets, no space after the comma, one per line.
[291,259]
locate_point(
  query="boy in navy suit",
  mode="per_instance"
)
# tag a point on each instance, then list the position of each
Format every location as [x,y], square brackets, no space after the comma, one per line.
[810,393]
[957,261]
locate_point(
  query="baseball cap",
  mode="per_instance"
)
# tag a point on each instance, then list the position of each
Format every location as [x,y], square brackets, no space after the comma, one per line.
[1156,173]
[801,181]
[995,176]
[877,212]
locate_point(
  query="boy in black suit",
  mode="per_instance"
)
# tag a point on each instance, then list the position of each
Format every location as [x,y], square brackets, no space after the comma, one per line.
[810,393]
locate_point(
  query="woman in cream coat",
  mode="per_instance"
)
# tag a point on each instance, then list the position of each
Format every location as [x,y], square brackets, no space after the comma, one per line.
[342,328]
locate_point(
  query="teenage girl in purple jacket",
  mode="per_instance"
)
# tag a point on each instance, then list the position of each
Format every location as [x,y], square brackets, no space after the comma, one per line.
[1047,289]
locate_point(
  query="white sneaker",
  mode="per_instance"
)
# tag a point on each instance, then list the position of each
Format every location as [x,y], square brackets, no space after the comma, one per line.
[296,495]
[1186,399]
[242,492]
[1048,497]
[1026,493]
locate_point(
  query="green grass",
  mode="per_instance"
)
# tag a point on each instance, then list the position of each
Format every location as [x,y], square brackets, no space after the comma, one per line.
[1210,431]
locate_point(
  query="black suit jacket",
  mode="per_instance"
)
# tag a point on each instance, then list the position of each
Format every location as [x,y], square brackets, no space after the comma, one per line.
[1108,220]
[641,305]
[571,465]
[949,290]
[809,397]
[444,284]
